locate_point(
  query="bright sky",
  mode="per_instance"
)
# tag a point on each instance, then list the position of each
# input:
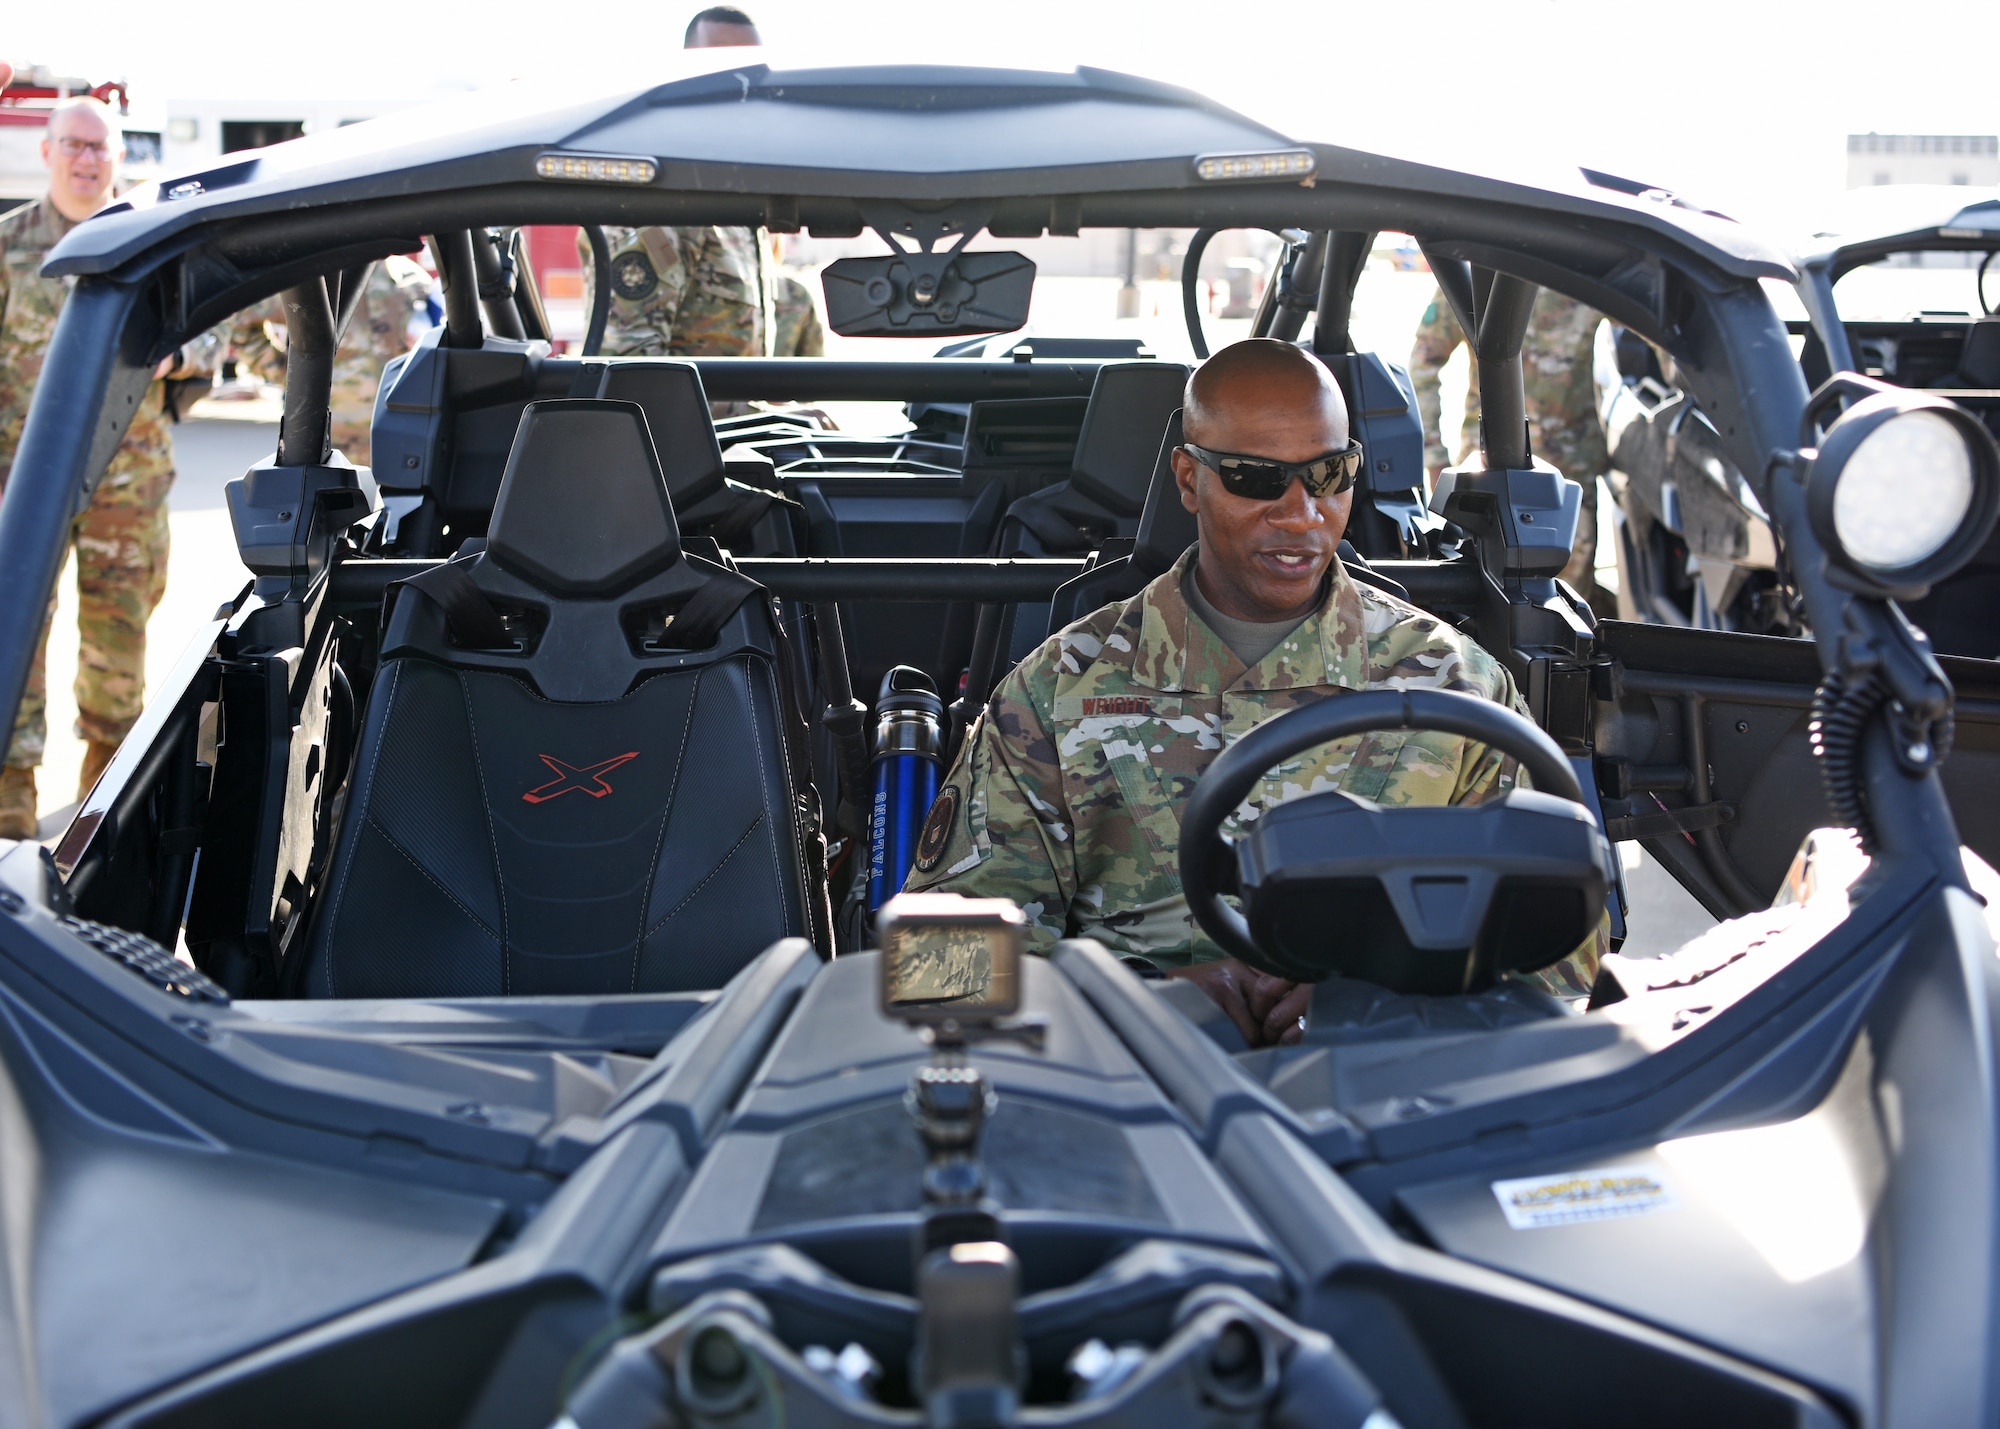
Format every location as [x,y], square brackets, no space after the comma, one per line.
[1743,105]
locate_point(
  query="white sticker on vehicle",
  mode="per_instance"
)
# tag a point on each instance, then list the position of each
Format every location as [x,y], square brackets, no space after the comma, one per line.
[1534,1202]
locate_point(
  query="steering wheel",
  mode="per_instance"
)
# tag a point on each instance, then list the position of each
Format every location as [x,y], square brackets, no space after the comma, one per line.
[1206,855]
[1984,306]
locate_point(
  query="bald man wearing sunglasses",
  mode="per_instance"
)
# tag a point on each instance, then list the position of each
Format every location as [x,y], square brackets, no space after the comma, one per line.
[1067,796]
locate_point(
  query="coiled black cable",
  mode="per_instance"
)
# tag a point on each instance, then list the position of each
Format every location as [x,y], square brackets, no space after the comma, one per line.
[1840,715]
[1944,733]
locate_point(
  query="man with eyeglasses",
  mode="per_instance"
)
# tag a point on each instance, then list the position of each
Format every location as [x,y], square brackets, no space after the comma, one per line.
[1067,796]
[121,537]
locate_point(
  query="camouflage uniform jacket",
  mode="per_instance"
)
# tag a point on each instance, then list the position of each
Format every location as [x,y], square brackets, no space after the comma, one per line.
[1067,797]
[684,292]
[1557,356]
[29,307]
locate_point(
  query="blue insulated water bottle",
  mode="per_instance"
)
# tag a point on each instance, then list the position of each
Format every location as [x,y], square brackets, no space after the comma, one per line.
[909,719]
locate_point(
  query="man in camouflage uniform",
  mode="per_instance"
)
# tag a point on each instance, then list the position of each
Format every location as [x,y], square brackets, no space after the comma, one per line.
[798,330]
[390,307]
[1557,357]
[391,302]
[688,292]
[703,292]
[121,537]
[1067,796]
[684,292]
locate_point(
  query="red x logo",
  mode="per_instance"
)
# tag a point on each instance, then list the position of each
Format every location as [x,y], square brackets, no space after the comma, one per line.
[569,778]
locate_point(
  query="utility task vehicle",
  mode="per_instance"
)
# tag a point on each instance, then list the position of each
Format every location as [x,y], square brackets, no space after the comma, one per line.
[519,1065]
[1696,546]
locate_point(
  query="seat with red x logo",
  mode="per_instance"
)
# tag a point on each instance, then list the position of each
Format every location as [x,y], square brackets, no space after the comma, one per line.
[582,769]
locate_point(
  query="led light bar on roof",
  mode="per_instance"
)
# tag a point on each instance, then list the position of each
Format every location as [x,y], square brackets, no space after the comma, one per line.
[1266,164]
[598,168]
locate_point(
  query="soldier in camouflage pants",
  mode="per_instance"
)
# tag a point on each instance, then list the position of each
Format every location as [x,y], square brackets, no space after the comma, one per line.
[1068,794]
[120,540]
[1557,357]
[799,333]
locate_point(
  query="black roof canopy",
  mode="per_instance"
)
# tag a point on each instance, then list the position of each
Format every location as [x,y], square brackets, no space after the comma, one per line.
[742,138]
[790,147]
[1904,218]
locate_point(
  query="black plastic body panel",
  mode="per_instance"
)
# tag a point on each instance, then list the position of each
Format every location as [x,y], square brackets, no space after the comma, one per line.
[1687,718]
[584,1156]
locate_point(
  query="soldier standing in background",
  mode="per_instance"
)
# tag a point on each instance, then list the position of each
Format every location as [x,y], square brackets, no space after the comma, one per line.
[1557,357]
[386,318]
[121,537]
[799,333]
[703,292]
[684,292]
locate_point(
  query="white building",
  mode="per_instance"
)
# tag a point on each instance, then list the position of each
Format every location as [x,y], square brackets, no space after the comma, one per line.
[199,131]
[1875,159]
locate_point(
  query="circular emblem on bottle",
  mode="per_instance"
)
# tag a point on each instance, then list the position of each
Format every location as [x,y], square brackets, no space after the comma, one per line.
[937,829]
[632,276]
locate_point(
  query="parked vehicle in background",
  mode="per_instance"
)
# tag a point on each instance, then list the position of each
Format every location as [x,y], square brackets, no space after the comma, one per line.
[1902,287]
[1907,289]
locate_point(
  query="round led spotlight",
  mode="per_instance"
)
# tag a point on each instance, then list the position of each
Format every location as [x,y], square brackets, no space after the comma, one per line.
[1904,490]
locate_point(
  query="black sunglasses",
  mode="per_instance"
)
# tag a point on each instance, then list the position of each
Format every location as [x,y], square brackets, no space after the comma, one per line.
[1262,479]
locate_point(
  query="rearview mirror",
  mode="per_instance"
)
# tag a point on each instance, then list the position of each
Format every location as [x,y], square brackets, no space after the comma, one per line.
[928,294]
[950,959]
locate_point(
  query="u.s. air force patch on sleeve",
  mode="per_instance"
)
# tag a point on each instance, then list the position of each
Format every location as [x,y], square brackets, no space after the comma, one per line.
[937,829]
[632,276]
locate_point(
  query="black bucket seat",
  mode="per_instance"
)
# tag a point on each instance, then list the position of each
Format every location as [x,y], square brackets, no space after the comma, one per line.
[708,500]
[1129,403]
[1106,488]
[1979,360]
[582,769]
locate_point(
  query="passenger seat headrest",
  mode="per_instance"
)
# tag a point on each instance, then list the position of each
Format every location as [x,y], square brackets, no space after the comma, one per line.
[676,407]
[583,509]
[1129,403]
[1979,363]
[1166,528]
